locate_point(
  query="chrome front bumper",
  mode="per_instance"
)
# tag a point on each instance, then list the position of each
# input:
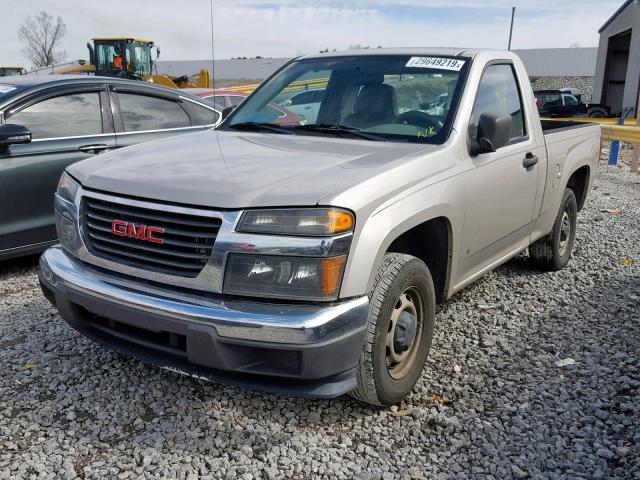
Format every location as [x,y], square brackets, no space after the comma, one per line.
[318,345]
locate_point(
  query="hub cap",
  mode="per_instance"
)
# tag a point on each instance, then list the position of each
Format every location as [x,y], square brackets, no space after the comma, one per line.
[565,233]
[405,327]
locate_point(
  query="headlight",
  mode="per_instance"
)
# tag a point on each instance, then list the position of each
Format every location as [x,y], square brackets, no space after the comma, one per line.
[284,277]
[67,187]
[309,222]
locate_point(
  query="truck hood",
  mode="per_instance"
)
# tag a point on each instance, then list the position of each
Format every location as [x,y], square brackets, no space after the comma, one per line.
[229,170]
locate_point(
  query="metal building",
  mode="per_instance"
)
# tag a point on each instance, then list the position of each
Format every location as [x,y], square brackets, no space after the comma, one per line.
[617,81]
[559,62]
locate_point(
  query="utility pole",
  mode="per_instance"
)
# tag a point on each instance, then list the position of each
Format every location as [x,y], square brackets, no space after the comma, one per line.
[513,14]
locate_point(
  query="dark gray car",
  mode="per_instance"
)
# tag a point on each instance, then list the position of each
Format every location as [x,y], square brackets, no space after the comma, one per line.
[49,122]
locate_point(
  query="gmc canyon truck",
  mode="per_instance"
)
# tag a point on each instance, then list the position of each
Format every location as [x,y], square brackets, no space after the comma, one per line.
[308,259]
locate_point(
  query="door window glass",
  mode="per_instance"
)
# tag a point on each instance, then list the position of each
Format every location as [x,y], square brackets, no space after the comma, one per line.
[498,93]
[70,115]
[144,112]
[235,99]
[570,100]
[217,101]
[206,116]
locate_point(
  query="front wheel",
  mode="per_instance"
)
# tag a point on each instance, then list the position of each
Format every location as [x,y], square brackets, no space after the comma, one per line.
[553,251]
[399,330]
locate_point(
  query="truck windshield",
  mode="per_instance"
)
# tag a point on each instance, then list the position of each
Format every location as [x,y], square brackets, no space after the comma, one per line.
[384,97]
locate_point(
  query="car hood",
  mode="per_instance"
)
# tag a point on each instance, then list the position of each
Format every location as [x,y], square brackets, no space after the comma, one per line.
[230,170]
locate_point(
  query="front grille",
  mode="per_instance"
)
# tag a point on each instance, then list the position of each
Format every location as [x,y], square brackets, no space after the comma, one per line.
[187,239]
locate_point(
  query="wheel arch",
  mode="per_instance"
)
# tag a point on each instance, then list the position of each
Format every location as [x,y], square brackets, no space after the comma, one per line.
[579,182]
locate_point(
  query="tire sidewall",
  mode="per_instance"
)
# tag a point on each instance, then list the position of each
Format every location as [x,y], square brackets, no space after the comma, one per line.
[568,200]
[415,274]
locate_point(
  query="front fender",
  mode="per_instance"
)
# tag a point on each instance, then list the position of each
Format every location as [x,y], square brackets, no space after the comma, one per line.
[397,216]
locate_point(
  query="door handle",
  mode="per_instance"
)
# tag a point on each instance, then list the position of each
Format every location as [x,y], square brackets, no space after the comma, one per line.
[94,148]
[529,161]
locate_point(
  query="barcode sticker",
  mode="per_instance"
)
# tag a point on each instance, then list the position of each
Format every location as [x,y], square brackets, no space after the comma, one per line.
[436,62]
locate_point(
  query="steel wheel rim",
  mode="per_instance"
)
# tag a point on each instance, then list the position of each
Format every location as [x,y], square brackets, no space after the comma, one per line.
[399,363]
[565,232]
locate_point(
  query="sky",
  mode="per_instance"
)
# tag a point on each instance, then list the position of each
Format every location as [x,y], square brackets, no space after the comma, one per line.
[286,28]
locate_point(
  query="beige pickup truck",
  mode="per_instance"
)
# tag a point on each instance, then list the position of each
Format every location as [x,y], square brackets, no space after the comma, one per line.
[307,259]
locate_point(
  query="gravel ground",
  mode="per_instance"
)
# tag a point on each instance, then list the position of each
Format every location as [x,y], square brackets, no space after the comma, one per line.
[492,402]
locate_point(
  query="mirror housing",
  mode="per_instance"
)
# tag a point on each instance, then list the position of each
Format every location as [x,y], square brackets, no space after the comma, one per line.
[493,131]
[14,135]
[227,111]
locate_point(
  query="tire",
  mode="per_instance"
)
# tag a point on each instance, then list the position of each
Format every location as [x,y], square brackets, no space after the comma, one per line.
[597,113]
[554,251]
[403,288]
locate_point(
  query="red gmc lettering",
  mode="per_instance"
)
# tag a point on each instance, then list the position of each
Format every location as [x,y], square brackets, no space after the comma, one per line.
[151,231]
[142,232]
[118,227]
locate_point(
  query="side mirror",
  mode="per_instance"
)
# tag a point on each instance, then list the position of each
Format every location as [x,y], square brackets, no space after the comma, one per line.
[493,131]
[13,135]
[227,111]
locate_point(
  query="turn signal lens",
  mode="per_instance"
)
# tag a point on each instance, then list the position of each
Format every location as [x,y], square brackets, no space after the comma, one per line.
[331,275]
[340,221]
[305,222]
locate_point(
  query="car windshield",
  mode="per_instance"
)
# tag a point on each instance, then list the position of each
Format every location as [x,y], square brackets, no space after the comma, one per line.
[387,97]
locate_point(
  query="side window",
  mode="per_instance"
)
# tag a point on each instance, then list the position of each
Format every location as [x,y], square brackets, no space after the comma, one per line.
[235,100]
[570,100]
[206,116]
[144,112]
[217,101]
[498,93]
[68,115]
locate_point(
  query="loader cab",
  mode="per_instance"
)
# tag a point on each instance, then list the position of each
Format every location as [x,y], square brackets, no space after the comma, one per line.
[122,57]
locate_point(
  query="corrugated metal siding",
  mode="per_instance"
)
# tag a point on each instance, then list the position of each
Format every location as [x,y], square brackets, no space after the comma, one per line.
[250,69]
[559,62]
[539,62]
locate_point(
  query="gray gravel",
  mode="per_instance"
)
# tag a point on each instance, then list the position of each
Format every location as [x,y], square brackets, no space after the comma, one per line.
[69,408]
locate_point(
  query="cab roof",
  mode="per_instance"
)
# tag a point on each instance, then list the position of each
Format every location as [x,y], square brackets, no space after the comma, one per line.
[125,39]
[417,51]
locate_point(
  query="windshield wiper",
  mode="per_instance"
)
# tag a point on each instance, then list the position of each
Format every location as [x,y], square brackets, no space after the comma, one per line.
[339,129]
[257,126]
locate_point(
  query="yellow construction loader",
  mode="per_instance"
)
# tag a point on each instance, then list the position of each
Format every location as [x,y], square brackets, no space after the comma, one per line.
[131,58]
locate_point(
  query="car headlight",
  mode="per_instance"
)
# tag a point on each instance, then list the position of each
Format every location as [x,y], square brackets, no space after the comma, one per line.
[294,278]
[308,222]
[67,187]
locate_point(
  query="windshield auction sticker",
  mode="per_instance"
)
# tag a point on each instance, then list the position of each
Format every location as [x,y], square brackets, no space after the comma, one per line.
[435,62]
[6,88]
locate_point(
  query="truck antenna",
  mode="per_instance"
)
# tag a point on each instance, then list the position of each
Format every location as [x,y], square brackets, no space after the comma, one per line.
[213,63]
[513,14]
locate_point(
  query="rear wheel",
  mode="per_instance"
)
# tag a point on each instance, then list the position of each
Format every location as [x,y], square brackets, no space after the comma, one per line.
[553,251]
[597,113]
[399,330]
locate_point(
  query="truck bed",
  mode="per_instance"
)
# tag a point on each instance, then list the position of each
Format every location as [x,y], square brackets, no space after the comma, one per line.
[553,126]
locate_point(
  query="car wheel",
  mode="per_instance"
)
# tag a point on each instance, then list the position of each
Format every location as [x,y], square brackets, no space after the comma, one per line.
[553,251]
[399,330]
[597,113]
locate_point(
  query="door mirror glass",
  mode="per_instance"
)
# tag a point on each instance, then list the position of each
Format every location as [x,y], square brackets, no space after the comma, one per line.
[494,131]
[13,135]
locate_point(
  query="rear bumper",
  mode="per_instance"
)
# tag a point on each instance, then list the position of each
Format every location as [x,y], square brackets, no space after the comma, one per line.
[302,350]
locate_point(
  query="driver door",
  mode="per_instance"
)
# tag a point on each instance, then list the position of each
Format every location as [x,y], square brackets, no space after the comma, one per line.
[500,191]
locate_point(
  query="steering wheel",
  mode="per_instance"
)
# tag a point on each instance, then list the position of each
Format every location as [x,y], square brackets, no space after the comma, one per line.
[418,119]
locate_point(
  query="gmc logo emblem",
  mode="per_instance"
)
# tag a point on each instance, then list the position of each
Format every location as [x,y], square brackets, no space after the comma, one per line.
[140,232]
